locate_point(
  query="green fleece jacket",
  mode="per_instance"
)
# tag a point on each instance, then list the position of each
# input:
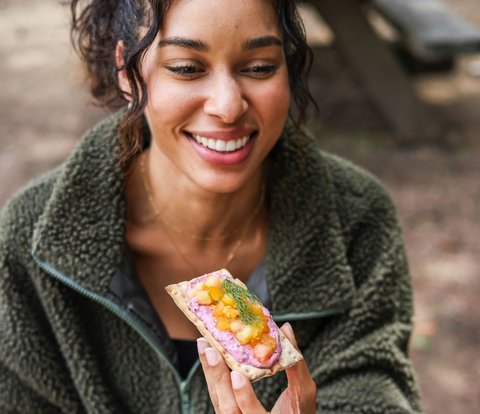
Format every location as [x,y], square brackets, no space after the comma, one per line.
[336,270]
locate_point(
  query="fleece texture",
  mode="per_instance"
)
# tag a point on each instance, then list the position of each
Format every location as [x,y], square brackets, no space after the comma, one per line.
[335,267]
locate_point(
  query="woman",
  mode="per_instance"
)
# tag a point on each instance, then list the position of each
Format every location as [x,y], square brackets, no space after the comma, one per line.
[208,167]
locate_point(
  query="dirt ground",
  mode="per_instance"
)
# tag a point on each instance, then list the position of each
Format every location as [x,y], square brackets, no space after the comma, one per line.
[44,109]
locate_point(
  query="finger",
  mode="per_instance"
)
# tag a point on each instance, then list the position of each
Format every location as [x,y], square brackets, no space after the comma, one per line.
[217,375]
[300,368]
[203,344]
[245,395]
[300,381]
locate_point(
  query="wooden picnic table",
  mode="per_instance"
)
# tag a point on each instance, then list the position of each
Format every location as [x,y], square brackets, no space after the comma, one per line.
[429,29]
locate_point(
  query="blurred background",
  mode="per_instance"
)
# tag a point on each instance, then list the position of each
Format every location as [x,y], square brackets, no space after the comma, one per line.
[391,98]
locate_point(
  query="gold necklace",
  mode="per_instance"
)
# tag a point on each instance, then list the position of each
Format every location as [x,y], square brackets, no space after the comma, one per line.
[225,265]
[157,214]
[237,244]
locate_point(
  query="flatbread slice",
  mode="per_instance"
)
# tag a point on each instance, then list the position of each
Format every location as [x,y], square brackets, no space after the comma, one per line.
[289,355]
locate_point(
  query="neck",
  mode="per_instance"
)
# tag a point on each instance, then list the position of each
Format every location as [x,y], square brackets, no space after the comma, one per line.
[158,196]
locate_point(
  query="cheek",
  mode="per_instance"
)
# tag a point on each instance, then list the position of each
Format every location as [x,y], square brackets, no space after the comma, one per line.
[169,104]
[281,96]
[274,102]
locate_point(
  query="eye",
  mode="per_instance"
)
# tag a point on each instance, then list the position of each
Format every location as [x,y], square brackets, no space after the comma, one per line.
[187,71]
[260,71]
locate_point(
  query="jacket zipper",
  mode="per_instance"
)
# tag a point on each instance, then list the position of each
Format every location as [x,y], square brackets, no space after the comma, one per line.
[298,316]
[183,385]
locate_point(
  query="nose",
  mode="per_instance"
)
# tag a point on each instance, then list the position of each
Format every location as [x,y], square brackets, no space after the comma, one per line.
[225,99]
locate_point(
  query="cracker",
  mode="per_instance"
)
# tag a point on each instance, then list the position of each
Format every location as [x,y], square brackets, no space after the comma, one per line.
[289,356]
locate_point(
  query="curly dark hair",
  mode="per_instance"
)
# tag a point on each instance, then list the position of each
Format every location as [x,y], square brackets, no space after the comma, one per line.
[97,26]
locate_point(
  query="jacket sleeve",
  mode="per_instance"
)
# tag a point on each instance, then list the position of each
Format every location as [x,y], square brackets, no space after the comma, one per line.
[20,360]
[33,378]
[359,357]
[17,397]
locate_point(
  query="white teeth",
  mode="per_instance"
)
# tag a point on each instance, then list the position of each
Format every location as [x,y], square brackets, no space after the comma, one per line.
[221,145]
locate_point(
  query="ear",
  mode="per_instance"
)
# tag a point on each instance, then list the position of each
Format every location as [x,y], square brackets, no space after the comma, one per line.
[121,75]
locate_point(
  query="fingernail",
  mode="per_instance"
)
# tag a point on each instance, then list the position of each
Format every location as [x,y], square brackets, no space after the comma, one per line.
[237,380]
[288,327]
[212,356]
[202,344]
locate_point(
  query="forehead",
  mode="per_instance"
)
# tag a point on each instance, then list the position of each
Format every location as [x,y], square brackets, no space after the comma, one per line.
[220,18]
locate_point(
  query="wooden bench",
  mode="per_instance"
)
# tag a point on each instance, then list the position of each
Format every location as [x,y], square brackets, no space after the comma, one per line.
[429,29]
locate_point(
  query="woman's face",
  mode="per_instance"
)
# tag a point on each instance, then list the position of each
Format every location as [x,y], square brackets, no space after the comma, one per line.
[218,91]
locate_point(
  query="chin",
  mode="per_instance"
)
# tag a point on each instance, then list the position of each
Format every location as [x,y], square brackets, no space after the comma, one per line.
[223,183]
[222,187]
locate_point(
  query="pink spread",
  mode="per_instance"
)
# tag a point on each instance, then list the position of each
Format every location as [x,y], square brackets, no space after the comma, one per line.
[241,353]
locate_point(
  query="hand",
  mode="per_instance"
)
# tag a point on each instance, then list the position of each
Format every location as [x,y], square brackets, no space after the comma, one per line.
[232,392]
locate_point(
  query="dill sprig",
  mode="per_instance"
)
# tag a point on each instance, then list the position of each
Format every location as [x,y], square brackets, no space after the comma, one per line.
[241,296]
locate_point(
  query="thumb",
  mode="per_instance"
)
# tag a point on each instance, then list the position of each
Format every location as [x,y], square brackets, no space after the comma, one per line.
[300,382]
[300,368]
[287,330]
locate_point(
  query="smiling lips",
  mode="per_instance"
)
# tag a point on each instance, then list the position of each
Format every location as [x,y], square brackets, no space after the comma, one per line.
[230,147]
[220,145]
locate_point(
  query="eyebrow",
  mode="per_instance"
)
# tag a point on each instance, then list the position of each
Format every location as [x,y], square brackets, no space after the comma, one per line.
[250,44]
[259,42]
[183,42]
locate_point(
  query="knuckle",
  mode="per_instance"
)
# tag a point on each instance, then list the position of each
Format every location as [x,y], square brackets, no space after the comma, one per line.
[248,404]
[230,409]
[220,379]
[242,400]
[214,400]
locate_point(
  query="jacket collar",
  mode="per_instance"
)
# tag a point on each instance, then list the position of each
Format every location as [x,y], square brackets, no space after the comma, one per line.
[81,232]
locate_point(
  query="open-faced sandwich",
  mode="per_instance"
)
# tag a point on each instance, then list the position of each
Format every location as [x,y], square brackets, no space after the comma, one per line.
[235,323]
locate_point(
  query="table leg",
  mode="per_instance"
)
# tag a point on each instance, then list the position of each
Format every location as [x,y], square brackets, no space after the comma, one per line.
[387,85]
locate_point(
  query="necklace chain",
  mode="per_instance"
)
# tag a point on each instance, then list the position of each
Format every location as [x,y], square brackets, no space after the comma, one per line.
[242,230]
[158,216]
